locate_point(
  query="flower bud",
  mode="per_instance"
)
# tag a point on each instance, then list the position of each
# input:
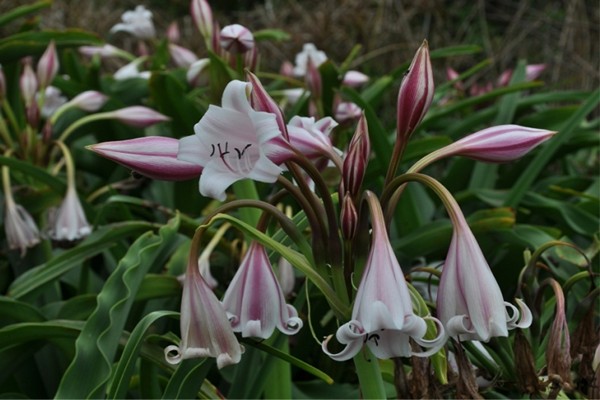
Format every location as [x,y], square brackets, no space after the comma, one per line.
[452,75]
[90,100]
[173,34]
[416,93]
[502,143]
[28,83]
[197,74]
[151,156]
[108,50]
[203,18]
[347,111]
[262,101]
[139,116]
[286,69]
[181,56]
[47,67]
[355,162]
[236,39]
[348,217]
[354,79]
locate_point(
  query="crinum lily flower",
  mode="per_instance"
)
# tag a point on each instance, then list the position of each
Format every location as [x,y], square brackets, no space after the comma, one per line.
[382,316]
[255,301]
[137,22]
[232,143]
[205,331]
[469,302]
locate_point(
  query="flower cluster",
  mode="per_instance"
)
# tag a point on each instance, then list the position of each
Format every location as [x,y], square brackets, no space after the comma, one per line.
[246,137]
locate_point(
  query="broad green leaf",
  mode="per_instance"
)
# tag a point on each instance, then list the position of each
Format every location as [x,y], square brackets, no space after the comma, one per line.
[18,311]
[154,286]
[188,379]
[34,172]
[15,334]
[575,218]
[17,46]
[21,11]
[96,347]
[37,277]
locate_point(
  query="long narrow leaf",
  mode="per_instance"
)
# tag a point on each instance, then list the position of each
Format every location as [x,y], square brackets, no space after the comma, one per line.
[90,370]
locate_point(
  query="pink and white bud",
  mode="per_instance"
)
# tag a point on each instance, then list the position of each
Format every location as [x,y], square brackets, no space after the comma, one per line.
[203,18]
[151,156]
[347,111]
[139,116]
[173,34]
[309,52]
[236,39]
[354,79]
[107,50]
[181,56]
[198,74]
[504,78]
[355,162]
[416,93]
[286,69]
[348,217]
[262,101]
[251,59]
[48,65]
[502,143]
[28,83]
[452,75]
[533,71]
[90,100]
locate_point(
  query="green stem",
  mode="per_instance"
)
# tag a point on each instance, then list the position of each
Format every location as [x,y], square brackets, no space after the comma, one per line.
[246,190]
[369,375]
[5,134]
[11,116]
[83,121]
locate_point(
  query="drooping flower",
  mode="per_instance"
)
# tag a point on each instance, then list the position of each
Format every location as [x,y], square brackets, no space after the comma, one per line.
[151,156]
[19,227]
[236,39]
[382,315]
[254,300]
[469,302]
[347,111]
[205,330]
[137,22]
[68,223]
[309,51]
[231,143]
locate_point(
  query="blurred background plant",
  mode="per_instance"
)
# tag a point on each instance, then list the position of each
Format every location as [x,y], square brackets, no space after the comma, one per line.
[84,316]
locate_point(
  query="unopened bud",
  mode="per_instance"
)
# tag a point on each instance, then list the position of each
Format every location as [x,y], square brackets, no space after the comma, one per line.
[348,217]
[173,34]
[355,162]
[354,79]
[313,79]
[203,18]
[139,116]
[90,100]
[181,56]
[28,83]
[48,65]
[416,93]
[261,101]
[197,73]
[236,39]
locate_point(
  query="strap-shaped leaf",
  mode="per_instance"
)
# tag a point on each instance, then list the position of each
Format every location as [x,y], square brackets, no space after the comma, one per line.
[46,273]
[90,370]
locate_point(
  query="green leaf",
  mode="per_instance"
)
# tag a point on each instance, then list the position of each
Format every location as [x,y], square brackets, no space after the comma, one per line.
[96,347]
[188,378]
[117,388]
[575,218]
[15,334]
[19,311]
[37,277]
[271,34]
[17,46]
[22,11]
[34,172]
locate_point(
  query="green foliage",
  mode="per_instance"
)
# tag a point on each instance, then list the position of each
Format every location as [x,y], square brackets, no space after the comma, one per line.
[90,316]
